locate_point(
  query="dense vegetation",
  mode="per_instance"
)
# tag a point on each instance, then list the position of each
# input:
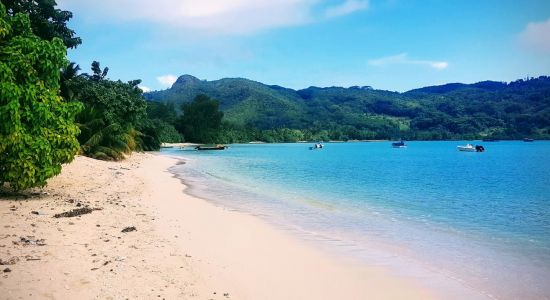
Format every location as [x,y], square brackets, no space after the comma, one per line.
[201,120]
[254,111]
[48,112]
[114,120]
[37,130]
[47,21]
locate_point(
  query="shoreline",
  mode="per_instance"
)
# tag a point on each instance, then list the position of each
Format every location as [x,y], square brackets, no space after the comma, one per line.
[393,259]
[259,261]
[184,247]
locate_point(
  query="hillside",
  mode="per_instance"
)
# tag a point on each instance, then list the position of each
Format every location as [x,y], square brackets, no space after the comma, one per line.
[496,109]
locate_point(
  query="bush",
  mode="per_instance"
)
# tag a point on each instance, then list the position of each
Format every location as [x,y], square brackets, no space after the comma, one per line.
[37,130]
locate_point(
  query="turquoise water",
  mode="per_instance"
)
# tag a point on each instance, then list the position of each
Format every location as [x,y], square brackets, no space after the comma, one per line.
[480,219]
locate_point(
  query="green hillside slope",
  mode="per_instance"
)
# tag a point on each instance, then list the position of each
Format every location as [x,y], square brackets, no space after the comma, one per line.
[453,111]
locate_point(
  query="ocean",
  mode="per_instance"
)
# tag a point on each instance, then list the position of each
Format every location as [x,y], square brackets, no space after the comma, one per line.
[468,222]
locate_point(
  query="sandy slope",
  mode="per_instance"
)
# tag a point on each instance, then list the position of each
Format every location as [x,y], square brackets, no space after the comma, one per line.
[183,248]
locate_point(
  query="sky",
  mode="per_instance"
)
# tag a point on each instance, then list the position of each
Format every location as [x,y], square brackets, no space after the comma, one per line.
[394,45]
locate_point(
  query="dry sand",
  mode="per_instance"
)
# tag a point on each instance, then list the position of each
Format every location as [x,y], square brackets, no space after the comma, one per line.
[183,248]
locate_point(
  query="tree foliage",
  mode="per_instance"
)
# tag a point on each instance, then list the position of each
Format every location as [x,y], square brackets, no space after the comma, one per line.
[47,22]
[114,121]
[201,120]
[119,102]
[37,130]
[102,140]
[163,118]
[163,111]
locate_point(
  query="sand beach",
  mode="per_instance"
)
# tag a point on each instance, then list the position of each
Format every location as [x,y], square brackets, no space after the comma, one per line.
[135,234]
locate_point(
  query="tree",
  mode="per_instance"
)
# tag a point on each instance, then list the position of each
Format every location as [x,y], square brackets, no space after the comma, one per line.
[37,129]
[117,101]
[67,74]
[114,121]
[201,120]
[163,111]
[163,118]
[98,73]
[47,22]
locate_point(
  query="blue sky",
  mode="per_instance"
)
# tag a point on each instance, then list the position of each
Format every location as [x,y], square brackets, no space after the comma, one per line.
[388,44]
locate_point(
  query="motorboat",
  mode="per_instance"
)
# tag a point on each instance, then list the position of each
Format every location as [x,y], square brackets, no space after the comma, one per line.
[471,148]
[467,148]
[399,144]
[317,146]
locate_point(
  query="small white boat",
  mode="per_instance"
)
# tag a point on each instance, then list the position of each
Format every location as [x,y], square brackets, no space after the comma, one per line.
[317,146]
[467,148]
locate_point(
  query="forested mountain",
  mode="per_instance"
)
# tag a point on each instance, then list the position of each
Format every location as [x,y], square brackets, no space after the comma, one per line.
[453,111]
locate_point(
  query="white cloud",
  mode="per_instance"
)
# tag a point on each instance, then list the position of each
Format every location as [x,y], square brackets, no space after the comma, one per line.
[216,16]
[440,65]
[403,59]
[144,88]
[346,8]
[536,36]
[167,80]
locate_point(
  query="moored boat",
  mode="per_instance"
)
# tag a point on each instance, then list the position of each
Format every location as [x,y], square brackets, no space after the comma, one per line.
[528,140]
[400,144]
[317,146]
[211,147]
[467,148]
[471,148]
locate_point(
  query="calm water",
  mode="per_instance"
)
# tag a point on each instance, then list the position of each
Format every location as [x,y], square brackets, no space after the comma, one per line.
[481,220]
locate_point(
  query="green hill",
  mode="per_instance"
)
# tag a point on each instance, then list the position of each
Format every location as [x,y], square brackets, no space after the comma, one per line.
[453,111]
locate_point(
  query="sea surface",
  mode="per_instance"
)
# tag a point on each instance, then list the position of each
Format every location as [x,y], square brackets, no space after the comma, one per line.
[472,223]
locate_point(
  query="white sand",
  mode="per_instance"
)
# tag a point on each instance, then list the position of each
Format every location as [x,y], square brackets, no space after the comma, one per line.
[184,247]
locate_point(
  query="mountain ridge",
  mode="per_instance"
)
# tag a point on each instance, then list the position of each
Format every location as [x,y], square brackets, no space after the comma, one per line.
[454,110]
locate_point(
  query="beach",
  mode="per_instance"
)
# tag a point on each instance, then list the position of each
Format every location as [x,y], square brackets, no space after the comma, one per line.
[143,237]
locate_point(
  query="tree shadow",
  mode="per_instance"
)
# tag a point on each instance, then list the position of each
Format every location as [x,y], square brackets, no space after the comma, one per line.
[8,194]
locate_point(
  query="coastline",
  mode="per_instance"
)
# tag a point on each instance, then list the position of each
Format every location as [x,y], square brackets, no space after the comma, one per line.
[184,247]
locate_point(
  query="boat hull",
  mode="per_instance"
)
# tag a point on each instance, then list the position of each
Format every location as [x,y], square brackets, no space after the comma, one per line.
[202,148]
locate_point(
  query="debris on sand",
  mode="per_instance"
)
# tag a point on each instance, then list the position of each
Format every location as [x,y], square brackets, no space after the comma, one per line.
[129,229]
[11,261]
[75,212]
[7,270]
[30,240]
[31,258]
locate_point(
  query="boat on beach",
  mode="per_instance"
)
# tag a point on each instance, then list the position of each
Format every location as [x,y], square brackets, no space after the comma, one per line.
[400,144]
